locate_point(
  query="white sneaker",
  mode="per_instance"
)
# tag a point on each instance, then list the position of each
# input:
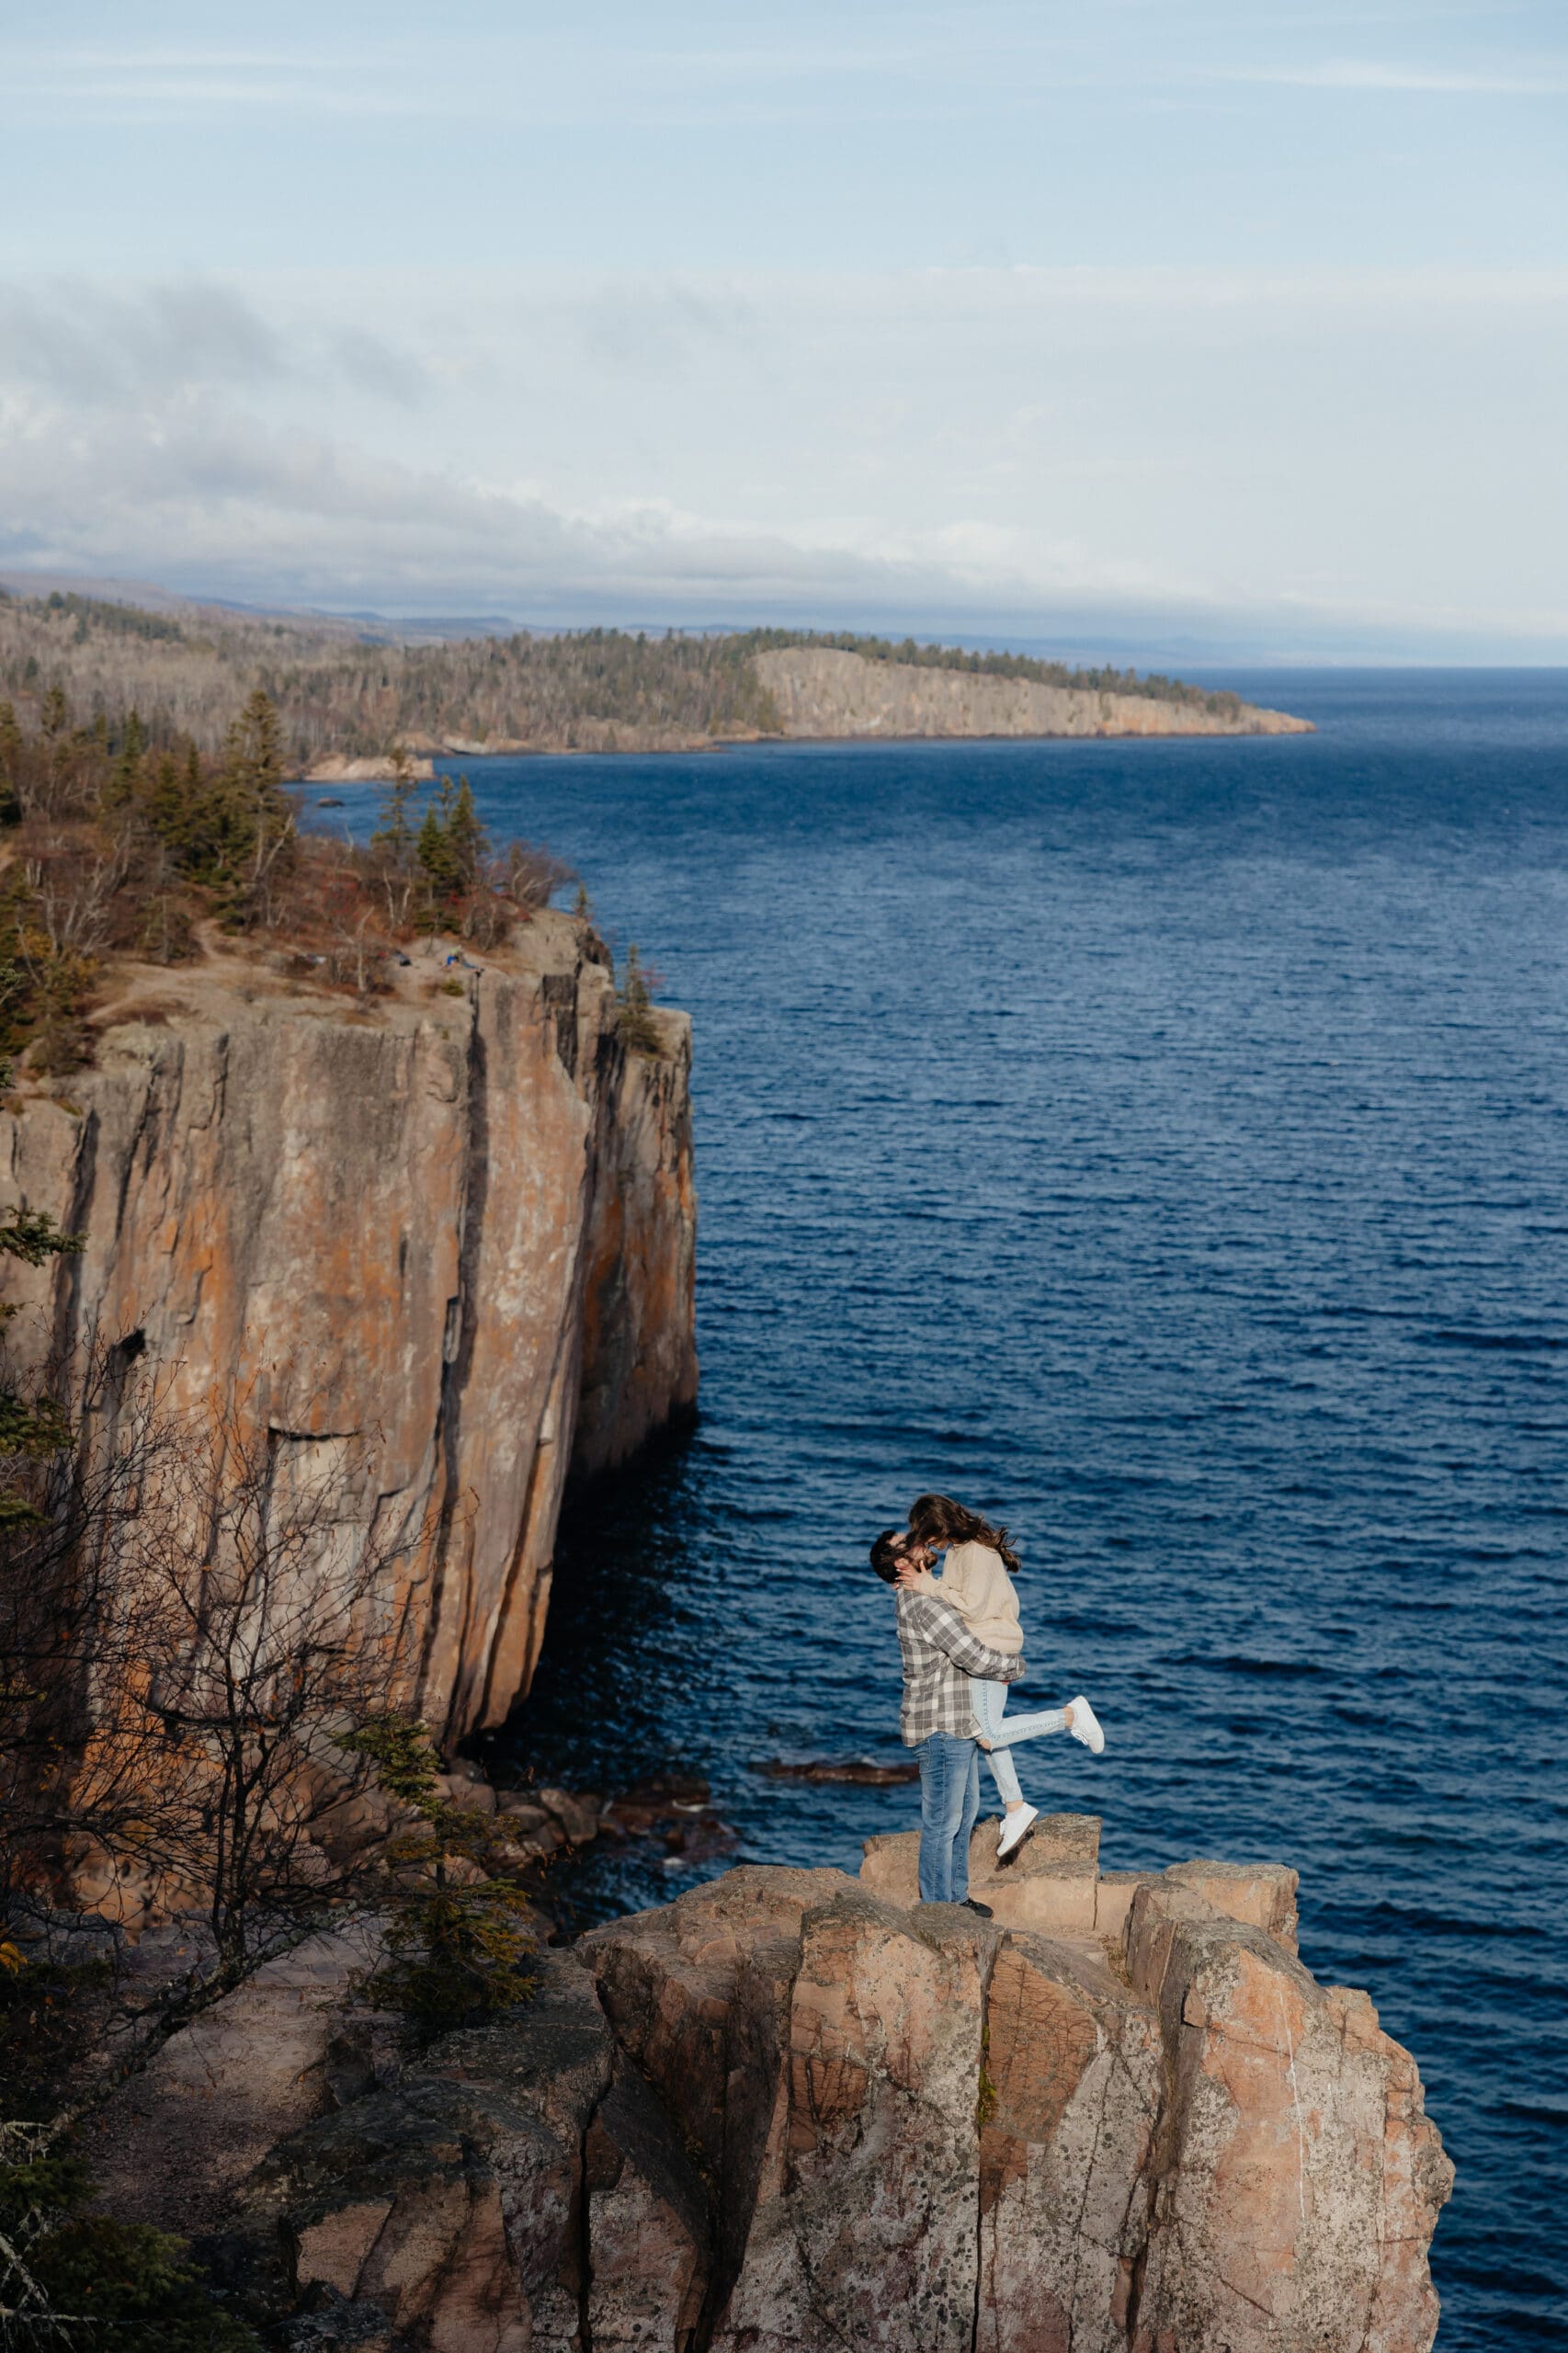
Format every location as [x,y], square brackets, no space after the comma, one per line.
[1085,1726]
[1015,1827]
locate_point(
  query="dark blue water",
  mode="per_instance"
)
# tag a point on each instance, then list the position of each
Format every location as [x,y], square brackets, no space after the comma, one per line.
[1164,1147]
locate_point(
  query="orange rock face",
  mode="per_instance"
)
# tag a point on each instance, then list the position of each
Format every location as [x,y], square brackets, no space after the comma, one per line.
[409,1240]
[786,2115]
[1298,2179]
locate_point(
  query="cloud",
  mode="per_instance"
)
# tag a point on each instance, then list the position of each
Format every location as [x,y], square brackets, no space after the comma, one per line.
[1247,457]
[94,346]
[260,513]
[1544,81]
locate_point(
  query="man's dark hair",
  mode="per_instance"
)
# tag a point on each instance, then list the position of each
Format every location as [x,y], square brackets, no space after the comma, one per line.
[887,1553]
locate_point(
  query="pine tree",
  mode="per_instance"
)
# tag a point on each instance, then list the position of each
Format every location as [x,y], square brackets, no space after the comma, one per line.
[467,843]
[170,795]
[434,853]
[125,776]
[11,742]
[638,1026]
[261,819]
[394,834]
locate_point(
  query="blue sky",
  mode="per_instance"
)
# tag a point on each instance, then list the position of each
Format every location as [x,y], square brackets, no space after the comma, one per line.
[1225,327]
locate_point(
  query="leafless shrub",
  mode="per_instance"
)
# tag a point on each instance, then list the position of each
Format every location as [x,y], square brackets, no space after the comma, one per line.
[192,1630]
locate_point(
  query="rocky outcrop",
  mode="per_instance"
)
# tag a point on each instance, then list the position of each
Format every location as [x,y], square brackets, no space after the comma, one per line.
[405,1237]
[788,2113]
[343,767]
[818,691]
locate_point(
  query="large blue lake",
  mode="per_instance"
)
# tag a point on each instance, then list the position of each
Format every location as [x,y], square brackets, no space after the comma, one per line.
[1164,1146]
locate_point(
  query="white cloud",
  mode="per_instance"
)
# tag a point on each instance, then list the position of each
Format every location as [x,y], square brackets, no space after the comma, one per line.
[1539,81]
[1233,452]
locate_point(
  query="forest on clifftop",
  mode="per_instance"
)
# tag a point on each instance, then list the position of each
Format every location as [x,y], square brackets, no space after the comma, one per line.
[189,672]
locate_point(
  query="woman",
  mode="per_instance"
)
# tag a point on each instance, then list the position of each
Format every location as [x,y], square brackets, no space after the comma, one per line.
[977,1583]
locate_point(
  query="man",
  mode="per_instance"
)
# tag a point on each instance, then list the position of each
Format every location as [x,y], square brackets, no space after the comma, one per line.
[937,1717]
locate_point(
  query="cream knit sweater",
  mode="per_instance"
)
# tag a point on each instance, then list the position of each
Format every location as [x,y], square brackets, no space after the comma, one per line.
[977,1585]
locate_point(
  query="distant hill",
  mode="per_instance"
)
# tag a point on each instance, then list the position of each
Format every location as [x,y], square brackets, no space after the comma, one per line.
[352,689]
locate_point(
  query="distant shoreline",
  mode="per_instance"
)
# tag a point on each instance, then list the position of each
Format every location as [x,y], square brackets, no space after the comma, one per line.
[368,771]
[348,707]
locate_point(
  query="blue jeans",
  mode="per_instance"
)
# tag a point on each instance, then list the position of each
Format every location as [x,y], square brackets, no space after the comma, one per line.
[949,1807]
[989,1700]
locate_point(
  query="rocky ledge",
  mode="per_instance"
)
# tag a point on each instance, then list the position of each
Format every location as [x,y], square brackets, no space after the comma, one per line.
[791,2112]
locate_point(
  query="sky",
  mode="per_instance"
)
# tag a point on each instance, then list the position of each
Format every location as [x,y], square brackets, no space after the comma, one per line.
[1238,330]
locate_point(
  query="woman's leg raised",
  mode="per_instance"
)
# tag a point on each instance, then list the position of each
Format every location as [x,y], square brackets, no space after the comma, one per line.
[1010,1730]
[988,1700]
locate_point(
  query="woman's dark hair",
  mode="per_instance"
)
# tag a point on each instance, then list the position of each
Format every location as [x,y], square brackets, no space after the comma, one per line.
[936,1519]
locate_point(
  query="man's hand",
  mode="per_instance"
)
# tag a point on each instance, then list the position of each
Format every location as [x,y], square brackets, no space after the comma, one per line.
[913,1580]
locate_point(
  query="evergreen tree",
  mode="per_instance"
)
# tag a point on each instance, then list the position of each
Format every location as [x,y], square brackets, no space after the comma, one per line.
[467,843]
[166,797]
[435,854]
[253,761]
[11,756]
[394,834]
[638,1026]
[260,822]
[125,777]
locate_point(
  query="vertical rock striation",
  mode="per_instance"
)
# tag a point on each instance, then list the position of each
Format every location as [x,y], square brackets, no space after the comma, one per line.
[407,1243]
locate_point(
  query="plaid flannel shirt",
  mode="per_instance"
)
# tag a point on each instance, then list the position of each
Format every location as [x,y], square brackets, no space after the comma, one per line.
[940,1656]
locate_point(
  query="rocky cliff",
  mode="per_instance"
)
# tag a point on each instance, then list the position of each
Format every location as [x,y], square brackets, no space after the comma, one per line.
[792,2112]
[820,692]
[438,1244]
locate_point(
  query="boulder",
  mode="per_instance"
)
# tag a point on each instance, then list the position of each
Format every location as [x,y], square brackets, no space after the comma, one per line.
[1297,2181]
[578,1816]
[648,2225]
[452,2203]
[176,2140]
[787,2114]
[460,1789]
[1263,1894]
[522,1814]
[1048,1886]
[863,2228]
[1070,2098]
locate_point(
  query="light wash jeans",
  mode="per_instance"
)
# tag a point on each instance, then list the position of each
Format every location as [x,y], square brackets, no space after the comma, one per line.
[989,1700]
[949,1807]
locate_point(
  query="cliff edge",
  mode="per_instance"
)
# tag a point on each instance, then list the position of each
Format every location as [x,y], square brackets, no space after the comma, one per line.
[438,1244]
[792,2112]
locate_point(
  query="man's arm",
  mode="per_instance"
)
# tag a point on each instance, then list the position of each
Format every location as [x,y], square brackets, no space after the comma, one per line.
[944,1627]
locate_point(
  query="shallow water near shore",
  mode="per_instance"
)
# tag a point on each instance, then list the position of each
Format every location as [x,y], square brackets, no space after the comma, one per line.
[1164,1146]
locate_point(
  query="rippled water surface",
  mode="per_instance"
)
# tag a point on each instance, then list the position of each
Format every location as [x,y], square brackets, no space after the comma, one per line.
[1163,1146]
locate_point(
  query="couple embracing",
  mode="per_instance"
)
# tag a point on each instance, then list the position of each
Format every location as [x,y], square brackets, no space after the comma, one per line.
[962,1645]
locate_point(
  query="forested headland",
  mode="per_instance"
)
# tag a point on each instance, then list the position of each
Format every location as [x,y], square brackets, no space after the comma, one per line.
[189,674]
[114,846]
